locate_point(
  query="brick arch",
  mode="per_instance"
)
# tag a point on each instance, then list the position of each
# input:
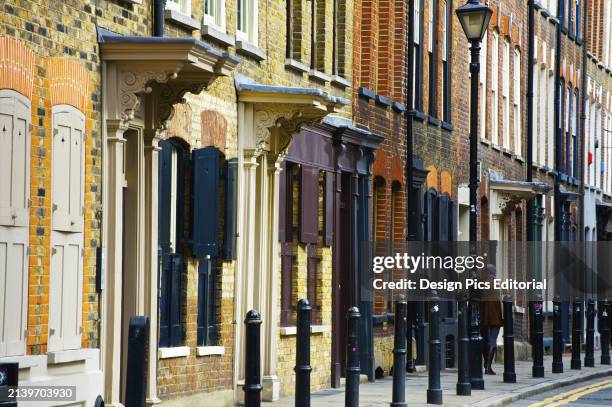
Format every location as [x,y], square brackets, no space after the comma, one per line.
[180,125]
[432,177]
[214,129]
[446,182]
[16,66]
[397,170]
[379,167]
[69,83]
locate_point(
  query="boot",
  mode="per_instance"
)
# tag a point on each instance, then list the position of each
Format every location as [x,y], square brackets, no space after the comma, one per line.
[490,357]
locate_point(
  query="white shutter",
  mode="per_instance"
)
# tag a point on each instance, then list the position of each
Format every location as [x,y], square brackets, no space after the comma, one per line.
[65,299]
[15,114]
[68,176]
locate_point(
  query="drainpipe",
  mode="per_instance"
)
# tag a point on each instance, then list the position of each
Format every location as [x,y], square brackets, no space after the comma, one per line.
[530,59]
[158,17]
[558,131]
[583,113]
[410,198]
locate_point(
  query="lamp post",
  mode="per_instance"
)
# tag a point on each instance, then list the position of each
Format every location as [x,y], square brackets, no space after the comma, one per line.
[474,18]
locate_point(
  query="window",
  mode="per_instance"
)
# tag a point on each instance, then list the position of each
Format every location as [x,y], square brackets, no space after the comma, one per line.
[578,17]
[506,95]
[575,119]
[214,13]
[339,50]
[318,42]
[570,16]
[181,6]
[537,125]
[67,226]
[483,88]
[494,88]
[542,117]
[551,121]
[433,49]
[517,102]
[247,21]
[418,55]
[446,33]
[15,116]
[587,137]
[568,129]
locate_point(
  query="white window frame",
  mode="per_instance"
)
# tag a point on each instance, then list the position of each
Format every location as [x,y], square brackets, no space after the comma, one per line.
[417,21]
[430,11]
[537,126]
[216,14]
[483,88]
[249,35]
[551,120]
[517,102]
[506,94]
[495,89]
[180,6]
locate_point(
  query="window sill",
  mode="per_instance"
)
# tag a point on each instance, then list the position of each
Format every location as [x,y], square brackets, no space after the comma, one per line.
[250,50]
[495,147]
[433,120]
[176,352]
[296,65]
[340,81]
[210,32]
[210,350]
[447,126]
[485,141]
[314,329]
[319,76]
[25,361]
[399,107]
[366,93]
[519,158]
[181,19]
[68,356]
[382,100]
[507,152]
[420,116]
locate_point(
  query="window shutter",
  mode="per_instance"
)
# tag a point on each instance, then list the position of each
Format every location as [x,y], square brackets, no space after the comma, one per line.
[14,283]
[452,220]
[231,199]
[429,214]
[207,304]
[164,303]
[206,202]
[164,199]
[309,204]
[442,212]
[68,169]
[176,331]
[15,114]
[328,222]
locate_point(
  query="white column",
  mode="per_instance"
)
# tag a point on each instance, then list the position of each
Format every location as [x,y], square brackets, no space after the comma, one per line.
[110,345]
[151,152]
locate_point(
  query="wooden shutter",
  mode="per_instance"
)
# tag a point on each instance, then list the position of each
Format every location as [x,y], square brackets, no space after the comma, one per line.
[231,201]
[164,300]
[328,214]
[442,215]
[165,196]
[207,302]
[15,114]
[282,202]
[68,170]
[309,204]
[429,208]
[206,202]
[65,293]
[175,327]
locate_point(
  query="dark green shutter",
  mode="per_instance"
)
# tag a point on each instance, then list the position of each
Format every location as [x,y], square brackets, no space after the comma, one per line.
[205,202]
[231,200]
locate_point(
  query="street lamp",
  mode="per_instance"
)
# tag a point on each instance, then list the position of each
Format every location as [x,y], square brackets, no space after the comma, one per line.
[474,18]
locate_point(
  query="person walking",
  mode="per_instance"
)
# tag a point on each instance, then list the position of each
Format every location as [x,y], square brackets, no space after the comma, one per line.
[491,320]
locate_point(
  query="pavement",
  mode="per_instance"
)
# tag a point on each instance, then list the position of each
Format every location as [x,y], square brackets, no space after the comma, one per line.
[496,392]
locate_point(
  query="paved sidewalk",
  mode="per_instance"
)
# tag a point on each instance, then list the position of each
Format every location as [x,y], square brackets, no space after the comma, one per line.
[496,393]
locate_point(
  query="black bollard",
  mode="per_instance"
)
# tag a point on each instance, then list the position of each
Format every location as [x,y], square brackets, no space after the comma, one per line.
[351,396]
[589,354]
[302,355]
[464,387]
[538,339]
[137,362]
[252,363]
[399,354]
[576,363]
[476,347]
[9,377]
[434,391]
[509,373]
[557,364]
[604,329]
[410,366]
